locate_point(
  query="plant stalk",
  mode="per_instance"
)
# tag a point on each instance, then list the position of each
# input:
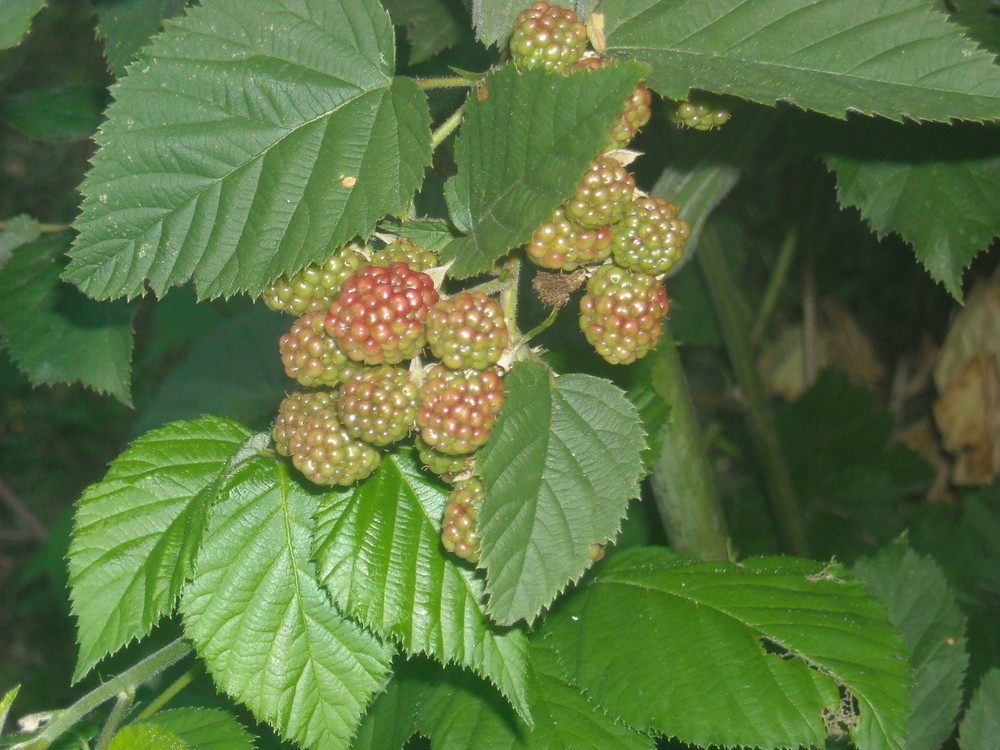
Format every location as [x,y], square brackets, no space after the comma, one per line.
[447,127]
[728,301]
[775,284]
[167,695]
[446,82]
[682,480]
[122,702]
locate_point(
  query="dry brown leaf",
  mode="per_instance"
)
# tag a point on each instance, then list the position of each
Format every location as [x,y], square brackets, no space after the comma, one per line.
[968,416]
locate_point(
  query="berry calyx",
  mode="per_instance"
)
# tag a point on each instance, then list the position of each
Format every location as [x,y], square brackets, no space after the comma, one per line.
[467,330]
[293,412]
[699,114]
[561,245]
[461,514]
[314,287]
[402,250]
[326,454]
[311,356]
[603,195]
[651,237]
[378,405]
[458,408]
[378,317]
[547,36]
[621,313]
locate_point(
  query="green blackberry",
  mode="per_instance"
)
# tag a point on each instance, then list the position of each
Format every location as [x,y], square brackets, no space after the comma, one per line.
[560,245]
[603,195]
[314,287]
[700,114]
[622,312]
[326,454]
[293,412]
[378,317]
[378,404]
[444,465]
[467,330]
[458,408]
[311,356]
[549,37]
[651,237]
[461,513]
[402,250]
[635,113]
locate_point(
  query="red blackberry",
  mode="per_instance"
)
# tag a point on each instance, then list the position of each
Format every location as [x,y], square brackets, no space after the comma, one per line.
[651,237]
[311,356]
[547,36]
[458,408]
[700,114]
[622,312]
[315,286]
[378,317]
[561,245]
[378,404]
[326,454]
[603,195]
[467,330]
[293,412]
[458,524]
[402,250]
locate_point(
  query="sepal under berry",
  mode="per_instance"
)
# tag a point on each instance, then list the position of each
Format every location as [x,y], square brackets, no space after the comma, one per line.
[621,313]
[467,330]
[460,518]
[458,408]
[378,404]
[549,37]
[651,237]
[314,287]
[327,455]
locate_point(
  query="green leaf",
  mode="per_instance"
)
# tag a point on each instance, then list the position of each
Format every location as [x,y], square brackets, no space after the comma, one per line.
[431,25]
[494,19]
[136,531]
[936,186]
[561,465]
[392,719]
[979,17]
[5,703]
[205,729]
[379,554]
[899,59]
[521,152]
[57,113]
[715,653]
[53,333]
[264,627]
[980,728]
[15,19]
[433,234]
[20,230]
[127,26]
[146,737]
[286,138]
[922,607]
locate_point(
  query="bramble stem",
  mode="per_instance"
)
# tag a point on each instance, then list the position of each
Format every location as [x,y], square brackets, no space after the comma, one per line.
[446,82]
[114,719]
[775,284]
[447,127]
[728,301]
[542,326]
[682,480]
[173,689]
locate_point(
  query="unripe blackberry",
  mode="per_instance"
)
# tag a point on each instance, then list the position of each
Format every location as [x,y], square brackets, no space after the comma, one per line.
[311,356]
[622,312]
[651,237]
[293,412]
[378,317]
[444,465]
[547,36]
[467,330]
[378,404]
[699,114]
[458,408]
[315,286]
[603,195]
[561,245]
[326,454]
[635,113]
[402,250]
[461,514]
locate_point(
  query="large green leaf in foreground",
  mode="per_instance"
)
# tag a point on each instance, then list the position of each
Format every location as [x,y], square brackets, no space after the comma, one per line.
[250,138]
[264,627]
[724,654]
[136,531]
[897,58]
[564,459]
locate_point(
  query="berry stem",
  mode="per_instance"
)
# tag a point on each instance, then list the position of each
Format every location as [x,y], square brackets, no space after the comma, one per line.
[729,302]
[122,702]
[447,127]
[682,481]
[167,695]
[446,82]
[542,326]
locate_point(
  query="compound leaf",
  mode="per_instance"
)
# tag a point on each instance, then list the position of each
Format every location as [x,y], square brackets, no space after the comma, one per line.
[251,137]
[899,59]
[522,150]
[263,625]
[754,654]
[136,531]
[564,459]
[379,554]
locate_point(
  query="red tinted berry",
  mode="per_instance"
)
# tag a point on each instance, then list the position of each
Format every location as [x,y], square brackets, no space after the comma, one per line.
[315,286]
[547,36]
[467,330]
[458,408]
[378,404]
[311,356]
[378,317]
[561,245]
[622,312]
[293,412]
[326,454]
[402,250]
[603,195]
[461,513]
[651,237]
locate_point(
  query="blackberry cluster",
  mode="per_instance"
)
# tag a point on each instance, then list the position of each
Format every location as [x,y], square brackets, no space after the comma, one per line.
[549,37]
[700,114]
[458,408]
[621,313]
[314,287]
[458,523]
[467,330]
